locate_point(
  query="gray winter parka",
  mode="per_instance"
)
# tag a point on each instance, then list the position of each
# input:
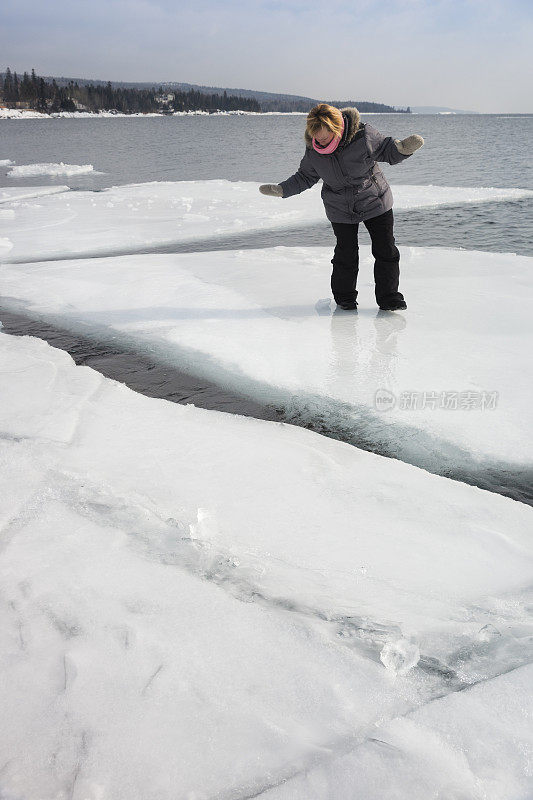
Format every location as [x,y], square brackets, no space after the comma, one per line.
[354,187]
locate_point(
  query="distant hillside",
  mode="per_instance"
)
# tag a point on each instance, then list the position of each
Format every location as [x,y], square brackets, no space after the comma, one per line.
[32,92]
[268,101]
[439,110]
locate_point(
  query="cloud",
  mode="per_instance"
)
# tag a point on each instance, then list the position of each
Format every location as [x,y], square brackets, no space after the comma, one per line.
[460,53]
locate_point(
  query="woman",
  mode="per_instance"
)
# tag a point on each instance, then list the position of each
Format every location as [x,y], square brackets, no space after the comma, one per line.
[343,151]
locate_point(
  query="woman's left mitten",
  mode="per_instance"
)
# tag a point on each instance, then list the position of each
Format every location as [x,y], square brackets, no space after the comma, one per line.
[409,145]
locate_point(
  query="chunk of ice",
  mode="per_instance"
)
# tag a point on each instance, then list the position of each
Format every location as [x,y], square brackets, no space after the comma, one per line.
[33,170]
[400,656]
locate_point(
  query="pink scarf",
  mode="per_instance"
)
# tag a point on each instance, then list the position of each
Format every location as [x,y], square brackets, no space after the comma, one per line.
[331,147]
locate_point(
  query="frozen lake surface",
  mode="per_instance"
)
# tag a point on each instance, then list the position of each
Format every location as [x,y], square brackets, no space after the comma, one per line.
[205,605]
[259,322]
[148,217]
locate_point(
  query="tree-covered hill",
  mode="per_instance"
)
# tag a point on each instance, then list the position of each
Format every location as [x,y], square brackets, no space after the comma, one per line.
[51,94]
[48,96]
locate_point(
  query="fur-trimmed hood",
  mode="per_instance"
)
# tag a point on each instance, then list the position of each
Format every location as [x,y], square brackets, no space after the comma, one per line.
[352,123]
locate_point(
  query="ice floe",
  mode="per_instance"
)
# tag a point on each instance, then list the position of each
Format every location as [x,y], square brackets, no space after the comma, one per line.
[17,113]
[136,217]
[439,750]
[34,170]
[13,194]
[196,604]
[430,386]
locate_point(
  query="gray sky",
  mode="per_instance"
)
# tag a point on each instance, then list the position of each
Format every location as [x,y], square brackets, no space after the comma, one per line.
[468,54]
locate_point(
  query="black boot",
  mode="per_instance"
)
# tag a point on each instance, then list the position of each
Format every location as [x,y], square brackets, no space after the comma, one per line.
[393,305]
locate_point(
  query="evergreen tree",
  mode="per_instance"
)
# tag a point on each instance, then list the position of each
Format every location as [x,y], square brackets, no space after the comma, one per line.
[16,94]
[8,86]
[41,95]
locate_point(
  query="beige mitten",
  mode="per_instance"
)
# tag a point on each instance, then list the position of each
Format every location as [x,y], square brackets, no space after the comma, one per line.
[273,189]
[409,145]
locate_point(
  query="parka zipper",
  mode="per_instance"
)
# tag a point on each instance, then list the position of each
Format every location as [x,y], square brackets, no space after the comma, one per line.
[347,188]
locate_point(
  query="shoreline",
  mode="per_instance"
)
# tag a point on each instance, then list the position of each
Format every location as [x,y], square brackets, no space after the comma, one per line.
[15,113]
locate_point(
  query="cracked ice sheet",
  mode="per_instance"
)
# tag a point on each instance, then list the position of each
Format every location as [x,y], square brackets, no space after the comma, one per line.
[247,319]
[193,603]
[157,213]
[473,745]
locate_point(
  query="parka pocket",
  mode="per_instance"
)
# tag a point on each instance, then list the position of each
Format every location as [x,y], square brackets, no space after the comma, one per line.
[379,189]
[367,198]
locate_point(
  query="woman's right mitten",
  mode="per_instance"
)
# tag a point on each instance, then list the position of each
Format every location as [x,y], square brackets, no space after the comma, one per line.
[272,189]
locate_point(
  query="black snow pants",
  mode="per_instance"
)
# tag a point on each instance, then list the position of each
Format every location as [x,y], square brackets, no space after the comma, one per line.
[346,259]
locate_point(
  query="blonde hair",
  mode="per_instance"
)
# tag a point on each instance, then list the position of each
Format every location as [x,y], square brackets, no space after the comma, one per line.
[324,115]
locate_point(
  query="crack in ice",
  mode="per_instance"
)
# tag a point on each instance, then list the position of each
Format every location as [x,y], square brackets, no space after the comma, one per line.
[147,528]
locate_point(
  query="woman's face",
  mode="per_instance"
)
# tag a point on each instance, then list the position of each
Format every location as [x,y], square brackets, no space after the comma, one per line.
[324,137]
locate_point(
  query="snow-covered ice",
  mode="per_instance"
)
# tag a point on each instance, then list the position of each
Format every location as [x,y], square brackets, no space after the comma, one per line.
[476,745]
[430,386]
[125,218]
[200,605]
[13,194]
[34,170]
[196,604]
[400,656]
[18,113]
[23,113]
